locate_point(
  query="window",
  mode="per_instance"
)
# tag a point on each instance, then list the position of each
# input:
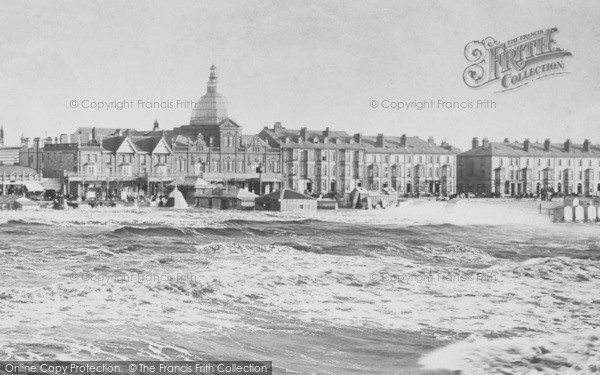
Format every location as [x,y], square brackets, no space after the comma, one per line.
[90,170]
[126,170]
[580,162]
[410,159]
[559,162]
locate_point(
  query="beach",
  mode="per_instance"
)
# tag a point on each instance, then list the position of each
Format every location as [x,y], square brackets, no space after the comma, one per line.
[425,288]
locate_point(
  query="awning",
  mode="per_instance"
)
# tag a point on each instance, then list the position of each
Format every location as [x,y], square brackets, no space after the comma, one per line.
[33,186]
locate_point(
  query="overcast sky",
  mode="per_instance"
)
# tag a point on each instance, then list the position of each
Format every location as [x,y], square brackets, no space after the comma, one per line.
[308,63]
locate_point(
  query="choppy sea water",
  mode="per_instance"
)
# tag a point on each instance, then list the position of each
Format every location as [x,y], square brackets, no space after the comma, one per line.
[424,289]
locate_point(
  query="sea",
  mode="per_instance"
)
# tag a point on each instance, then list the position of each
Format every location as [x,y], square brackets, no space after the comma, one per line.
[425,288]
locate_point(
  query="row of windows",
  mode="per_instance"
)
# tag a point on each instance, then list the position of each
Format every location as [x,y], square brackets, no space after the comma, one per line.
[374,171]
[538,162]
[409,159]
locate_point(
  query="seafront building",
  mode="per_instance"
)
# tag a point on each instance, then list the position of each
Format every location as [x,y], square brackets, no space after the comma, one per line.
[523,168]
[127,162]
[9,155]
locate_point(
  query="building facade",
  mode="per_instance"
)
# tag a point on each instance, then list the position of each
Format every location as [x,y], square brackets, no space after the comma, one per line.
[328,161]
[516,169]
[122,163]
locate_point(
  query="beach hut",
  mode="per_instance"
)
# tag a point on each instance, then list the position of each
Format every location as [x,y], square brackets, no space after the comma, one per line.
[286,200]
[227,199]
[578,212]
[176,200]
[17,202]
[591,213]
[192,186]
[568,213]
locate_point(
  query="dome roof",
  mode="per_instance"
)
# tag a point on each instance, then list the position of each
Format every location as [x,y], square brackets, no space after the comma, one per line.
[212,107]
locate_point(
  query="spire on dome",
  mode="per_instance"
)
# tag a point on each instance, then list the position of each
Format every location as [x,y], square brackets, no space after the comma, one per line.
[211,86]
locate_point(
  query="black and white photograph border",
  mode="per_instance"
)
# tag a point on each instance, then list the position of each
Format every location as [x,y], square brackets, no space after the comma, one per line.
[316,187]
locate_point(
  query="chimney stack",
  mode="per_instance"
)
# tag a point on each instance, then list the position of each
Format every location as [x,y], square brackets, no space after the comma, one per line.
[587,145]
[64,138]
[326,132]
[304,133]
[526,145]
[358,138]
[403,140]
[94,133]
[475,143]
[431,140]
[277,127]
[119,133]
[547,144]
[506,140]
[380,140]
[485,143]
[155,127]
[568,145]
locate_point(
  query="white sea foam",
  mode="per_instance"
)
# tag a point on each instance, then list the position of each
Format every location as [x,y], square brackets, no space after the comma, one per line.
[560,354]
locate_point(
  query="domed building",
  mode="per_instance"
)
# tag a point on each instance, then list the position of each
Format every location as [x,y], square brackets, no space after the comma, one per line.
[211,109]
[209,121]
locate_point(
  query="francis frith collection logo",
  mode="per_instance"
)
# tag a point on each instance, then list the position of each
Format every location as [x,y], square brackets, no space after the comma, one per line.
[515,63]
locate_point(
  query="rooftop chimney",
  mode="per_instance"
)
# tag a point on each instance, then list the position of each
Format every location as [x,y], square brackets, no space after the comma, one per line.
[568,145]
[277,127]
[587,145]
[326,132]
[119,133]
[155,128]
[475,143]
[506,140]
[526,144]
[56,140]
[380,140]
[94,133]
[431,140]
[64,138]
[304,133]
[547,144]
[358,138]
[403,140]
[485,143]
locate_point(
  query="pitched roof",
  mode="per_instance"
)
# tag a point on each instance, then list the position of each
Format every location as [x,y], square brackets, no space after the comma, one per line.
[231,193]
[17,169]
[413,145]
[287,194]
[342,140]
[147,144]
[516,149]
[112,143]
